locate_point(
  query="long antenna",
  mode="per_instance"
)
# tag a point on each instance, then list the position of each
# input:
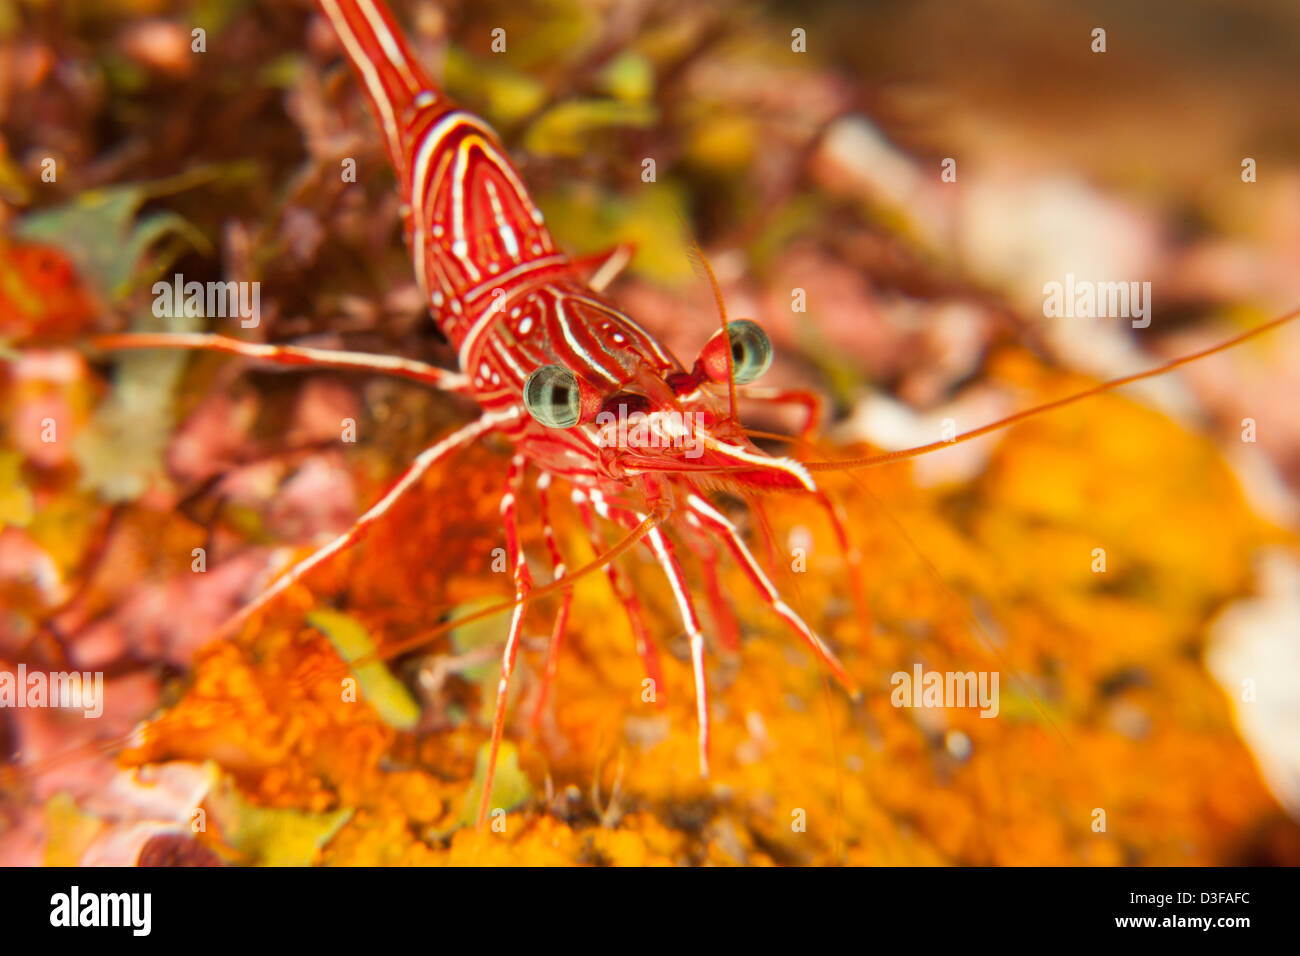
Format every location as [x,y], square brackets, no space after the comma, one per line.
[905,453]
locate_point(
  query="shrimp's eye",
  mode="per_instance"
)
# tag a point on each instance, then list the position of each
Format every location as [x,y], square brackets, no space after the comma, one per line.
[751,350]
[751,353]
[553,397]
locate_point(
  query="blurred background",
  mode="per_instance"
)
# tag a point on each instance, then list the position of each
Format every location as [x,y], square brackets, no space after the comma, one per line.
[805,146]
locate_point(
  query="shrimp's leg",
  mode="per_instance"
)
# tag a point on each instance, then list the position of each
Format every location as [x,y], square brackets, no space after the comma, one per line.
[672,569]
[852,558]
[417,469]
[566,598]
[607,265]
[810,400]
[295,355]
[714,519]
[834,514]
[645,648]
[523,584]
[723,618]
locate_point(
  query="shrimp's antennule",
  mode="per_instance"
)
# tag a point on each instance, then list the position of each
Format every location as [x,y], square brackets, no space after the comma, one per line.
[701,264]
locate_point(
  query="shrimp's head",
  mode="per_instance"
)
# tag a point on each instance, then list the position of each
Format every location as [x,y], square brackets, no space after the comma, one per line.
[657,420]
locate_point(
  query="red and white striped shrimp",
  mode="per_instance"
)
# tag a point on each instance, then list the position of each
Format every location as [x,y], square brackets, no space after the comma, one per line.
[555,368]
[544,354]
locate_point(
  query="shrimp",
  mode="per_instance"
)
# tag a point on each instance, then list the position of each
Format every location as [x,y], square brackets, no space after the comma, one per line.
[581,392]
